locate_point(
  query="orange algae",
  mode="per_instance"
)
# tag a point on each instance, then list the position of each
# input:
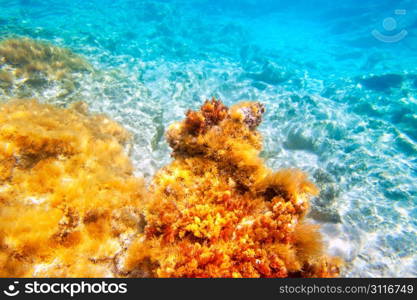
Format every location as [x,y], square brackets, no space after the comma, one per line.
[70,205]
[69,201]
[218,211]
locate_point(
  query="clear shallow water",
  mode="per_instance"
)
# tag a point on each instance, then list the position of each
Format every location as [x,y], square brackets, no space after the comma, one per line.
[341,103]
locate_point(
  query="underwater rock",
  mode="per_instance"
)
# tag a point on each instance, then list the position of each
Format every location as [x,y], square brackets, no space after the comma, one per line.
[382,83]
[324,207]
[271,74]
[325,214]
[299,140]
[218,211]
[69,201]
[27,64]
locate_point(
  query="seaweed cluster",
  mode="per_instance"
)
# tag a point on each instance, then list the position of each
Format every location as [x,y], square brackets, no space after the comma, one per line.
[68,198]
[27,64]
[218,211]
[71,206]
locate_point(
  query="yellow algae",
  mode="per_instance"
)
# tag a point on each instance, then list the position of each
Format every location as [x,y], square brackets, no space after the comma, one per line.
[70,205]
[68,198]
[33,64]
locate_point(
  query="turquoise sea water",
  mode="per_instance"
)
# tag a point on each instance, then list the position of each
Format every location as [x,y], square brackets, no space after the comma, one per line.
[338,78]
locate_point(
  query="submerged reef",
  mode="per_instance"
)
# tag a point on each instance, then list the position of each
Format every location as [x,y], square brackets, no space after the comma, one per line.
[382,83]
[27,65]
[218,211]
[69,201]
[71,206]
